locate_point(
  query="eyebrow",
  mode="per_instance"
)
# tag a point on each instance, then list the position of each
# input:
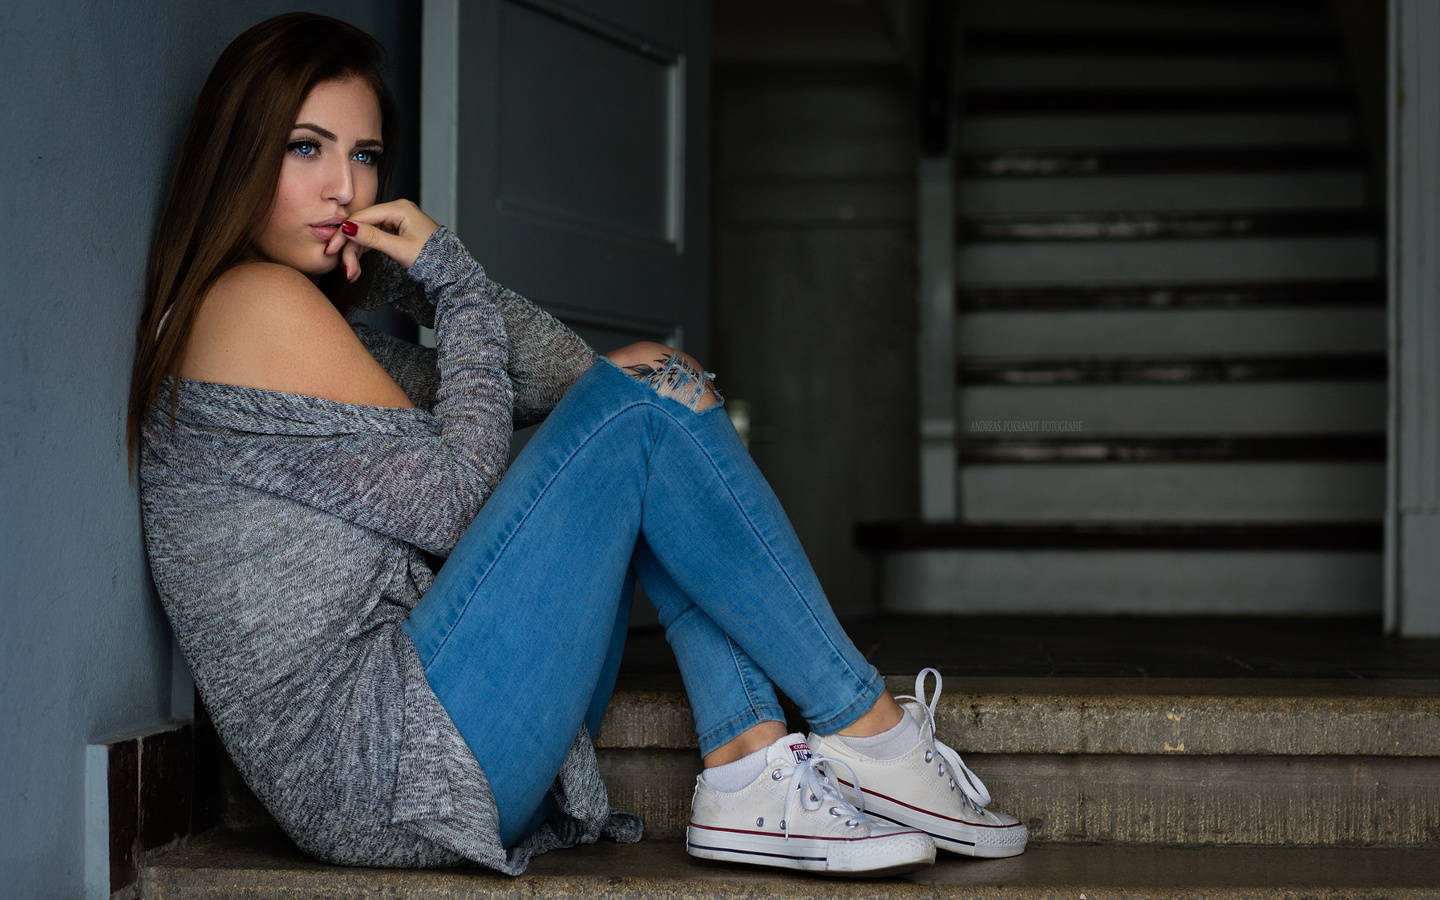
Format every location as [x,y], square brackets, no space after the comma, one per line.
[329,135]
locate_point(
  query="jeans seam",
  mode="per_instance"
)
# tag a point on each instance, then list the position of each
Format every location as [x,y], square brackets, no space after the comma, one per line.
[740,670]
[864,681]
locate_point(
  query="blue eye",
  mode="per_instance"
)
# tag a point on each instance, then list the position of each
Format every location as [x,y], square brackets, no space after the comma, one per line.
[367,157]
[304,149]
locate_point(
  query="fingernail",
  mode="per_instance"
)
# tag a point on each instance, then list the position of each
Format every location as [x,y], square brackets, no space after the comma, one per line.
[350,228]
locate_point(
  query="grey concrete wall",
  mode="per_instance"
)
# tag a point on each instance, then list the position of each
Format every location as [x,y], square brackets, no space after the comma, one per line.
[94,98]
[814,267]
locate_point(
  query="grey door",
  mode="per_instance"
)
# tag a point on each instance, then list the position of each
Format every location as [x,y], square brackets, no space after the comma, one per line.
[566,143]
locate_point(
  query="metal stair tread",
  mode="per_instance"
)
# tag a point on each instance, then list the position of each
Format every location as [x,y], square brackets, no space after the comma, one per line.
[1193,259]
[995,448]
[1311,536]
[1160,296]
[1157,130]
[1089,16]
[252,866]
[1021,372]
[1041,163]
[1142,225]
[1071,72]
[978,41]
[993,101]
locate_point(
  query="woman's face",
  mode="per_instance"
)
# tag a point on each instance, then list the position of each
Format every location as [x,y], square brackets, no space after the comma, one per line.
[331,170]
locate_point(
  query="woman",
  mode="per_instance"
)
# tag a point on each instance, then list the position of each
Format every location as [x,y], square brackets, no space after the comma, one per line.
[301,481]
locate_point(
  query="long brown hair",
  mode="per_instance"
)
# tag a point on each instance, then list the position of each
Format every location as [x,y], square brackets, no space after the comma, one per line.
[224,182]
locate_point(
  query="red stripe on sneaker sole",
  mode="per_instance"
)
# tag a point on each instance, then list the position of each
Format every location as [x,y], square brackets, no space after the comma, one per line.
[696,846]
[927,812]
[809,837]
[933,835]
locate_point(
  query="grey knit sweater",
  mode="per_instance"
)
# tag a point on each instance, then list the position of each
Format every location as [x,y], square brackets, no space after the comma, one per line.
[288,539]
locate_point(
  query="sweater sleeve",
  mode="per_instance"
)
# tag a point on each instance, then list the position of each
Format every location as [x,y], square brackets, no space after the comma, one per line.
[391,285]
[417,477]
[545,356]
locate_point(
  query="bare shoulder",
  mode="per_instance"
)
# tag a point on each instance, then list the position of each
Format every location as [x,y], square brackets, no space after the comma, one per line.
[265,325]
[258,281]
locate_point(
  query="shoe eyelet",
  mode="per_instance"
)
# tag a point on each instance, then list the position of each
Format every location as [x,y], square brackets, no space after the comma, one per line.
[942,768]
[814,799]
[853,823]
[929,755]
[835,811]
[760,822]
[782,824]
[776,776]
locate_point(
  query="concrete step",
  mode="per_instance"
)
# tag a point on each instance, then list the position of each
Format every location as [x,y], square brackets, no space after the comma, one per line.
[1060,334]
[1156,761]
[1197,260]
[1177,762]
[1157,193]
[1175,130]
[237,867]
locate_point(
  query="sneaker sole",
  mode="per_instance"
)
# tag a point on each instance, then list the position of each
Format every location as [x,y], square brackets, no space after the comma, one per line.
[805,854]
[982,841]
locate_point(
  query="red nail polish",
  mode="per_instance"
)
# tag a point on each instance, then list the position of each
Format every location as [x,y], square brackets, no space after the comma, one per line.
[350,228]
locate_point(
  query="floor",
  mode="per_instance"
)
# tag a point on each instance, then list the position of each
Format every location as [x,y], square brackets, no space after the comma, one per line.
[221,865]
[1116,647]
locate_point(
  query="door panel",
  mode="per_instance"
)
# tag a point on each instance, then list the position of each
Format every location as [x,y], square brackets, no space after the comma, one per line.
[585,145]
[566,143]
[575,155]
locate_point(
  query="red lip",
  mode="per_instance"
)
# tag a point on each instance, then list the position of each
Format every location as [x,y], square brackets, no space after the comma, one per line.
[325,229]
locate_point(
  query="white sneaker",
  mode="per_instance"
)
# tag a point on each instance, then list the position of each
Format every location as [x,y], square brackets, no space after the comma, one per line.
[763,825]
[928,788]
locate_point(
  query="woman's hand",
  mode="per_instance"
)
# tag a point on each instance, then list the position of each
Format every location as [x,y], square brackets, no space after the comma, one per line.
[397,229]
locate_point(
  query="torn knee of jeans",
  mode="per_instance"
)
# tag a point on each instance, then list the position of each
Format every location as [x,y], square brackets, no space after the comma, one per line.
[676,379]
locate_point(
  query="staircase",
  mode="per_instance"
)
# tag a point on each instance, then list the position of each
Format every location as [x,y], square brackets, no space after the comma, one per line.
[1170,396]
[1171,374]
[1208,758]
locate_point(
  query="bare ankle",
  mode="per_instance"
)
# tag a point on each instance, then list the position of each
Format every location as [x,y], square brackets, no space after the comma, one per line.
[745,743]
[883,716]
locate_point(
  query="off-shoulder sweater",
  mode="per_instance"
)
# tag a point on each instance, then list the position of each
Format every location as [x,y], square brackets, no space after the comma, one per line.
[288,538]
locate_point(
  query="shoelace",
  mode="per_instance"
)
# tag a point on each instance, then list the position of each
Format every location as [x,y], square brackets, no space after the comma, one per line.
[968,782]
[815,789]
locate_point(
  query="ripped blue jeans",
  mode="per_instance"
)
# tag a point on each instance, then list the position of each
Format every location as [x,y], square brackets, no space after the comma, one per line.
[522,632]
